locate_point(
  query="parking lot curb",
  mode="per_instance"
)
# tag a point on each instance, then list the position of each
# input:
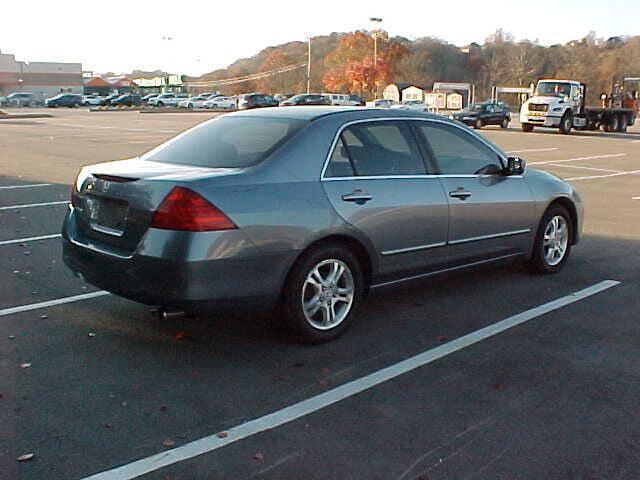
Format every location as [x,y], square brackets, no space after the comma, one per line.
[24,115]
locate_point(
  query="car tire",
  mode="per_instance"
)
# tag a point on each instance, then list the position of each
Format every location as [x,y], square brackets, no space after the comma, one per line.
[622,127]
[311,278]
[548,238]
[527,127]
[160,104]
[478,124]
[566,123]
[504,123]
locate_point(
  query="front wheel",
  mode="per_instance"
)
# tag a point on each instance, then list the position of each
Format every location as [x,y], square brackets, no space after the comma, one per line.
[566,123]
[478,124]
[505,123]
[527,127]
[322,293]
[552,244]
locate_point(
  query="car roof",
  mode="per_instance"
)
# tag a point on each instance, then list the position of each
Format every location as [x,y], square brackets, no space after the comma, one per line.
[314,112]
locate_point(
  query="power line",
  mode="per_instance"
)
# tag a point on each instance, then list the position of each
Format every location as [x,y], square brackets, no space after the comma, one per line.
[246,78]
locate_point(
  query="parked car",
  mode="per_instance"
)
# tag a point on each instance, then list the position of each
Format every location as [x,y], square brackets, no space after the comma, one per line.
[256,100]
[93,99]
[414,106]
[356,101]
[381,103]
[127,100]
[487,113]
[307,99]
[193,102]
[70,100]
[165,100]
[309,208]
[148,97]
[23,99]
[226,103]
[109,98]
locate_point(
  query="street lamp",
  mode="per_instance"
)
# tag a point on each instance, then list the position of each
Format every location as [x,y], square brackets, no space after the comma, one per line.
[309,66]
[375,20]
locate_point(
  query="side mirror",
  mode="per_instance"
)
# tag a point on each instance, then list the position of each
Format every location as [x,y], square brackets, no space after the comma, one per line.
[515,166]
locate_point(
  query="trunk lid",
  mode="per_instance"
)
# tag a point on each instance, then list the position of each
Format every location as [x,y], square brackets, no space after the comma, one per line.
[115,201]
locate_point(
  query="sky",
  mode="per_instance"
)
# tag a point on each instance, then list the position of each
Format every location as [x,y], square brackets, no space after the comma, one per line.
[194,37]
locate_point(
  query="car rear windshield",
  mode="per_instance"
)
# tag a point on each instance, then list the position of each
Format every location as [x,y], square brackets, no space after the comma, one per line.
[227,142]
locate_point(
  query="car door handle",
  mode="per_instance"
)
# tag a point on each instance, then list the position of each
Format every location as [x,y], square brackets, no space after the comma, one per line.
[460,193]
[358,196]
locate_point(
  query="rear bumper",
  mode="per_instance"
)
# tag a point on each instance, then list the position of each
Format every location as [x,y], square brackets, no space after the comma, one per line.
[189,271]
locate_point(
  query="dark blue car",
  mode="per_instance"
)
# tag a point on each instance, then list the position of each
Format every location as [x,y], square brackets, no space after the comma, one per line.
[64,100]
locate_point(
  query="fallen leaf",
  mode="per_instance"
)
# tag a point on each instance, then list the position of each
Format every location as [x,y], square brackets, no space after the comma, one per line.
[442,338]
[498,386]
[325,371]
[108,425]
[26,457]
[323,383]
[25,365]
[179,335]
[168,443]
[222,434]
[259,456]
[91,334]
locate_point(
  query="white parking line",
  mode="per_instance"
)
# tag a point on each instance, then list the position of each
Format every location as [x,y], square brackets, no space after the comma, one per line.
[31,185]
[577,159]
[534,150]
[633,172]
[318,402]
[584,168]
[635,198]
[30,205]
[29,239]
[51,303]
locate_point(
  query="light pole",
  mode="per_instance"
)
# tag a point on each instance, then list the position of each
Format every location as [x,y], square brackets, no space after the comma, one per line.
[375,20]
[309,66]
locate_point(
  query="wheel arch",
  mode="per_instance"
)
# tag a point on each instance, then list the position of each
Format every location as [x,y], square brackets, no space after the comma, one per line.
[573,212]
[354,245]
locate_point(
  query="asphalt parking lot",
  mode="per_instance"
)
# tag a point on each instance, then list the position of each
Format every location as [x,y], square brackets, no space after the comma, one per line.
[90,382]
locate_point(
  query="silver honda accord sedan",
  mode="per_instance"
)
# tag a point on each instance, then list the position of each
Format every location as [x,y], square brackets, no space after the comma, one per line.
[309,209]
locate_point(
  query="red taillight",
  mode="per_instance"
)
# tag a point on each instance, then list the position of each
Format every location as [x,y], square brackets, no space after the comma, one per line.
[184,209]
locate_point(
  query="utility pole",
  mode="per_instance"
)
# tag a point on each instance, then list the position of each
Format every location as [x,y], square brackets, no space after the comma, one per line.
[309,66]
[375,55]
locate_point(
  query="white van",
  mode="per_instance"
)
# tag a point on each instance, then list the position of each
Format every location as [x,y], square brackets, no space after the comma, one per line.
[339,98]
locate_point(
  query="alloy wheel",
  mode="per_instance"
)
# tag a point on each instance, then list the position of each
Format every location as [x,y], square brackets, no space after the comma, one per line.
[555,241]
[328,294]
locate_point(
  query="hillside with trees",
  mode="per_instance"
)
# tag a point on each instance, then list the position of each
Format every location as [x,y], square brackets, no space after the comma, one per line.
[343,62]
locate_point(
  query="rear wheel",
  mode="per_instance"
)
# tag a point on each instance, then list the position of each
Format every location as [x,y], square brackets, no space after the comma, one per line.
[622,127]
[527,127]
[614,123]
[553,241]
[322,292]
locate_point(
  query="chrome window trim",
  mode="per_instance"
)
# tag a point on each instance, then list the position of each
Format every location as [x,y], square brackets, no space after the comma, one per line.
[488,237]
[420,119]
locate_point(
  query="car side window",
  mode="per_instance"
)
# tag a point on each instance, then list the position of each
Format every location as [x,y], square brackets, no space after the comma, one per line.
[457,152]
[339,163]
[379,149]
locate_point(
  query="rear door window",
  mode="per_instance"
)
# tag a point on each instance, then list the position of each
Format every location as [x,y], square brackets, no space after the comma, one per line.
[385,148]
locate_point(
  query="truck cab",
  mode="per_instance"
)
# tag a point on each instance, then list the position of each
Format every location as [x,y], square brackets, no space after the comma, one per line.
[555,103]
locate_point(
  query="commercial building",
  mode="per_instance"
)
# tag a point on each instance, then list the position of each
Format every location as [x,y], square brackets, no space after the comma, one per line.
[45,79]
